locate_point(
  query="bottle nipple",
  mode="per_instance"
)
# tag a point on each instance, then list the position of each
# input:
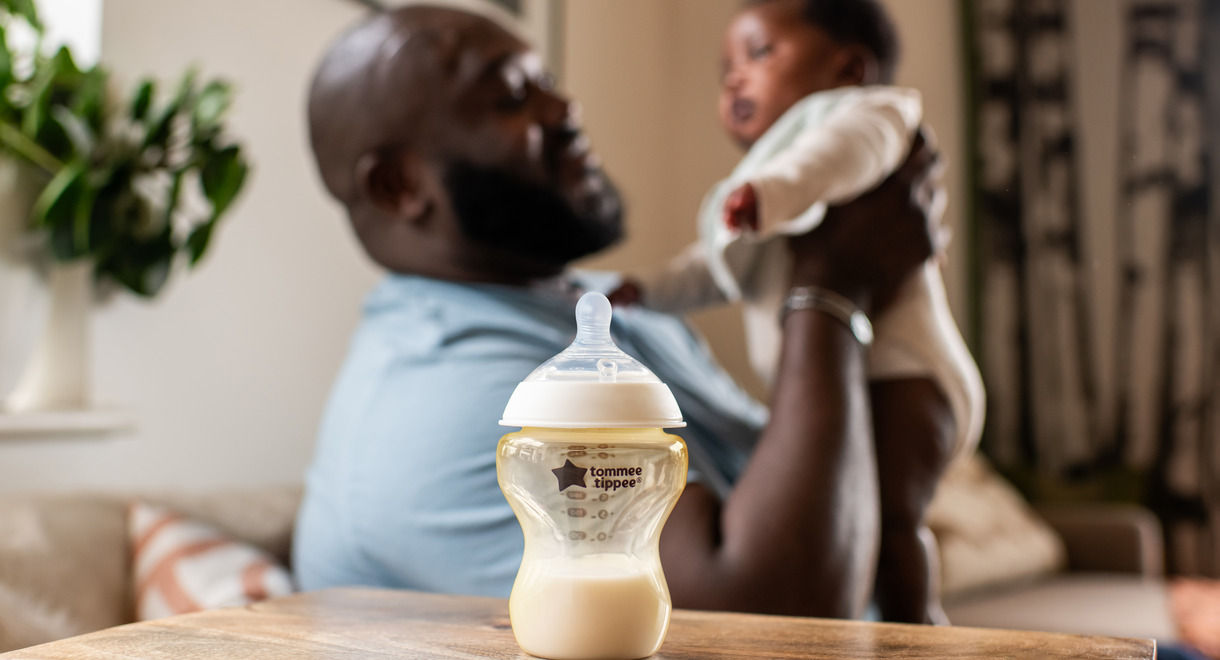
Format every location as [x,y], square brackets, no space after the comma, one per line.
[592,383]
[593,315]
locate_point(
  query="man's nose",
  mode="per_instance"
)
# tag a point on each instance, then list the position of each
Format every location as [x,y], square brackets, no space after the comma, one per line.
[559,114]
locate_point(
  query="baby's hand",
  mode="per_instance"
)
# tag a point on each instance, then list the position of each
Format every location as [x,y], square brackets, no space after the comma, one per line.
[741,209]
[628,293]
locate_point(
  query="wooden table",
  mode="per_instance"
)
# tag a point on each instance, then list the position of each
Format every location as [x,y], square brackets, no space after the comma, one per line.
[370,623]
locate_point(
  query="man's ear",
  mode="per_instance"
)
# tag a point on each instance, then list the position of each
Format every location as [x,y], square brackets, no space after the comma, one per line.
[393,181]
[856,65]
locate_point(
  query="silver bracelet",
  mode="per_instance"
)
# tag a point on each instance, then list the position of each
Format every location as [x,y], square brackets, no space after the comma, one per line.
[815,298]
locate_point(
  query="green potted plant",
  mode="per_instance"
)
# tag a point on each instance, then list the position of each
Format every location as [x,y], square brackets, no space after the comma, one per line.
[123,186]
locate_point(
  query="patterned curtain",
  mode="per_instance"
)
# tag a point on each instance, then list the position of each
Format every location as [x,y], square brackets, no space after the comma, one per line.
[1154,435]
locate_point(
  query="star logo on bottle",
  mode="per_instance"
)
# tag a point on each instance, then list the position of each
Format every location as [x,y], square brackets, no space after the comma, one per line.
[570,475]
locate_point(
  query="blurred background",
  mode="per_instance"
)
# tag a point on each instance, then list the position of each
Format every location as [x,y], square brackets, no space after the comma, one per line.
[1084,268]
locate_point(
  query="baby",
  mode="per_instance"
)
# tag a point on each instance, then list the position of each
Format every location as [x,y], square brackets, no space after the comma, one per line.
[800,91]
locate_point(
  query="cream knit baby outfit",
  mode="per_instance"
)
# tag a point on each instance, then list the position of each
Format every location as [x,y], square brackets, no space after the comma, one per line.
[827,149]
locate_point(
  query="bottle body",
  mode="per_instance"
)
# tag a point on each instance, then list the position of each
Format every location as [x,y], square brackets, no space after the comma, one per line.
[591,503]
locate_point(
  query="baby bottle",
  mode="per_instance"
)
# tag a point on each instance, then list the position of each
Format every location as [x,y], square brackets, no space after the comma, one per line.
[592,477]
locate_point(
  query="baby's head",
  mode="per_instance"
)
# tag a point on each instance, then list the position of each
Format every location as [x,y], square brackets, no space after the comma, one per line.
[777,52]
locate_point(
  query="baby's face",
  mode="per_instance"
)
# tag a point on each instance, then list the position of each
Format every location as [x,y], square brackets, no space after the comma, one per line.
[772,59]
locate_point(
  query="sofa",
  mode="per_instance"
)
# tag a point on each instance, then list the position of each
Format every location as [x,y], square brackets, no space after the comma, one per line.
[65,559]
[1088,568]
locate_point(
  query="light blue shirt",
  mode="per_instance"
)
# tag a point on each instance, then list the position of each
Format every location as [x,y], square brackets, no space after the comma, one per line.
[402,491]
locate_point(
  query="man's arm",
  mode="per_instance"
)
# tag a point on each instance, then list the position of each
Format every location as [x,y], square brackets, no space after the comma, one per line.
[799,532]
[798,535]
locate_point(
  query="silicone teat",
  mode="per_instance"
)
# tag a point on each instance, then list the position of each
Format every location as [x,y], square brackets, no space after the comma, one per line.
[592,383]
[593,355]
[593,315]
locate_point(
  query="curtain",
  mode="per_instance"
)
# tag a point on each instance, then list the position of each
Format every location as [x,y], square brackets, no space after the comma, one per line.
[1099,333]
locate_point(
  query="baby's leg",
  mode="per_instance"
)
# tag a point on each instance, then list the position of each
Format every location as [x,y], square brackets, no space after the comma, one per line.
[915,436]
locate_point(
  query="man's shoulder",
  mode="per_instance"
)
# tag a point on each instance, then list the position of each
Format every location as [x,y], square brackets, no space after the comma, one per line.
[426,318]
[428,354]
[440,343]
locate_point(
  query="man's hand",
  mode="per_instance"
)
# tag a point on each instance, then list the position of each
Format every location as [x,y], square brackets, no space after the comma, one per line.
[741,209]
[866,248]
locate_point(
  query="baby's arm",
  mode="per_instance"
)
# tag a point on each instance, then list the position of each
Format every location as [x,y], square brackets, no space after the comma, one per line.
[684,285]
[915,435]
[852,150]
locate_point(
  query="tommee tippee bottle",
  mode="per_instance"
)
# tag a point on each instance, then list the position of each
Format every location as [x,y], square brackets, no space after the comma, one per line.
[592,477]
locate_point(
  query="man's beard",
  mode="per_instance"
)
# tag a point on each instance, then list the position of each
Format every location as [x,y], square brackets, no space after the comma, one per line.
[501,211]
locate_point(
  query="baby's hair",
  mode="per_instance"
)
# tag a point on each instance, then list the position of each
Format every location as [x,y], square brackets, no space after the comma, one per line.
[863,22]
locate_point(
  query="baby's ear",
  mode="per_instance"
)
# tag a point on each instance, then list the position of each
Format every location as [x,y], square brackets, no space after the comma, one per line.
[393,180]
[856,65]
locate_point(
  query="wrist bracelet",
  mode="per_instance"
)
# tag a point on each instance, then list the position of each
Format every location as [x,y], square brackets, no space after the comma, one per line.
[811,297]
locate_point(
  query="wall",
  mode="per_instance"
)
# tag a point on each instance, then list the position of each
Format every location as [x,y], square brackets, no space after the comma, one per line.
[226,373]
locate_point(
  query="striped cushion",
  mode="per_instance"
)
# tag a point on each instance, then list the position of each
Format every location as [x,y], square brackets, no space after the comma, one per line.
[182,565]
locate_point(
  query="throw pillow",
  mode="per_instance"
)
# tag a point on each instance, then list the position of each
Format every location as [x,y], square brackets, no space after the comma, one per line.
[986,532]
[182,565]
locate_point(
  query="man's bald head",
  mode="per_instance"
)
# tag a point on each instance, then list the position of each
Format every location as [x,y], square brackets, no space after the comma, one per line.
[442,134]
[377,85]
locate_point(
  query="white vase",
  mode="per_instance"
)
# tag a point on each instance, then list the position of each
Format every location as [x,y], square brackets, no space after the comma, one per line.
[24,296]
[43,311]
[56,377]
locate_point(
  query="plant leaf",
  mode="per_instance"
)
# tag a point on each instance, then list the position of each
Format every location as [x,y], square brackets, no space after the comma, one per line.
[141,101]
[40,97]
[211,104]
[55,79]
[46,211]
[89,98]
[6,68]
[82,213]
[197,242]
[222,177]
[172,198]
[159,128]
[58,209]
[143,266]
[79,133]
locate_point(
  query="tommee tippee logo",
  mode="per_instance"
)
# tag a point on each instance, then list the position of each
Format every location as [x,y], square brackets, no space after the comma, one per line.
[605,478]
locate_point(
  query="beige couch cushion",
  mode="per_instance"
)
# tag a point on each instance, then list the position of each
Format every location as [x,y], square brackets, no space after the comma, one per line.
[262,517]
[65,559]
[987,534]
[63,565]
[1120,604]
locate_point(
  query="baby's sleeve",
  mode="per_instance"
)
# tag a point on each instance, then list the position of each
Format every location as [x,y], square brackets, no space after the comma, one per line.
[859,143]
[684,285]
